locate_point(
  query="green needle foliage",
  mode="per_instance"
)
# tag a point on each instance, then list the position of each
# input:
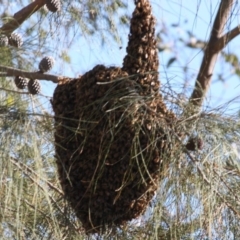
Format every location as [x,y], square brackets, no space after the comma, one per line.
[198,194]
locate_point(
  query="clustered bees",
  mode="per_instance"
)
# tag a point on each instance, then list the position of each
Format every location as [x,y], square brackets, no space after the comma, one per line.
[111,133]
[33,85]
[141,60]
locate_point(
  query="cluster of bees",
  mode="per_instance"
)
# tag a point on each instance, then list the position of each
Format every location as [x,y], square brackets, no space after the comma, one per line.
[111,130]
[141,60]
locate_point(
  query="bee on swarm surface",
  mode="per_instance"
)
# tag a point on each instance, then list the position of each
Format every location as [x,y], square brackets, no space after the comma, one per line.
[111,129]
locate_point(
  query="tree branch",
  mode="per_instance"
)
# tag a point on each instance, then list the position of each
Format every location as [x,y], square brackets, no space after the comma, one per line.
[10,72]
[225,39]
[20,16]
[211,53]
[13,91]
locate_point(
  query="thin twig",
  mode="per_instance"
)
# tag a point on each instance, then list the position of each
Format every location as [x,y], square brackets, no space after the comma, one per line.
[225,39]
[26,169]
[20,16]
[210,184]
[13,91]
[10,72]
[211,53]
[23,167]
[233,193]
[206,180]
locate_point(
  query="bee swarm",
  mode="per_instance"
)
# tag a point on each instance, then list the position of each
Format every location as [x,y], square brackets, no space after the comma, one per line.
[111,137]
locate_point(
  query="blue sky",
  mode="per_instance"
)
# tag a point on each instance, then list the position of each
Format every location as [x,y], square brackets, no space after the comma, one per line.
[194,16]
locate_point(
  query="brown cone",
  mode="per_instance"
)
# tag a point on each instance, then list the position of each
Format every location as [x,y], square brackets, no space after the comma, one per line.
[34,86]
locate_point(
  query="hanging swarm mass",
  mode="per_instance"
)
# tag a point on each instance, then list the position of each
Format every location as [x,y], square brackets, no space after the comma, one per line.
[15,40]
[53,5]
[141,61]
[111,136]
[34,86]
[46,64]
[20,82]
